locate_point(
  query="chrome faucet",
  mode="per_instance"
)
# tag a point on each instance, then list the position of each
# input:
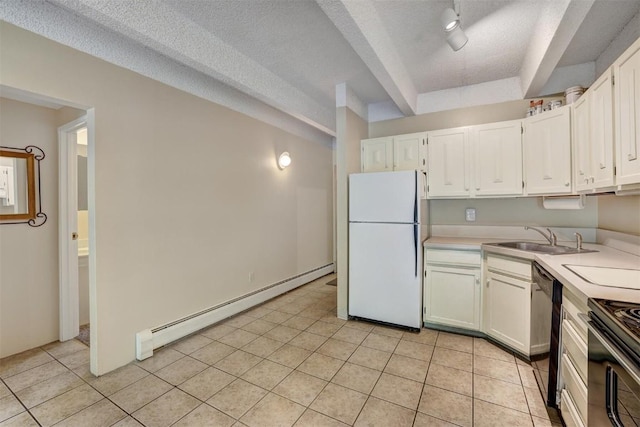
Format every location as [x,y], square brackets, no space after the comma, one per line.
[578,241]
[551,238]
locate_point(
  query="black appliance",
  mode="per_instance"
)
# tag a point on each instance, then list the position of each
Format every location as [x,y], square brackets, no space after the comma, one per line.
[614,363]
[547,381]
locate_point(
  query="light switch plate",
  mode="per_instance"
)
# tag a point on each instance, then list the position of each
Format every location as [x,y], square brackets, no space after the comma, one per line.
[470,214]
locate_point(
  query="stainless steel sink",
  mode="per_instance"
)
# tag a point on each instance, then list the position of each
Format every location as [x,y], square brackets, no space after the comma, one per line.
[542,248]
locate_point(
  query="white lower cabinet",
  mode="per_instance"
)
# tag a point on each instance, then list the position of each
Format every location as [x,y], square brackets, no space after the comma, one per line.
[573,361]
[511,301]
[508,311]
[569,411]
[452,288]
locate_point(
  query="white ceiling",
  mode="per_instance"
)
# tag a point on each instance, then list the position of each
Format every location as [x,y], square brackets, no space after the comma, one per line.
[292,54]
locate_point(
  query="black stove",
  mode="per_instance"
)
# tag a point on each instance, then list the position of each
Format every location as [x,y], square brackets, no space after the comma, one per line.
[620,321]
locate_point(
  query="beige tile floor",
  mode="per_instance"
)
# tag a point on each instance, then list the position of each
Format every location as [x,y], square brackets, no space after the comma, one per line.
[290,361]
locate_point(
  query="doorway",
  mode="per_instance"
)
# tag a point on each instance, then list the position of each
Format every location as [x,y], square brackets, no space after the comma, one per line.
[74,236]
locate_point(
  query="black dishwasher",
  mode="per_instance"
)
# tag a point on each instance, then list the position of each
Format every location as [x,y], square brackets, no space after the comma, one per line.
[553,289]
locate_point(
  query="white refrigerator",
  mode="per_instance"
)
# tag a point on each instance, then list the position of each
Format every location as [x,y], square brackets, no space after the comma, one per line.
[385,252]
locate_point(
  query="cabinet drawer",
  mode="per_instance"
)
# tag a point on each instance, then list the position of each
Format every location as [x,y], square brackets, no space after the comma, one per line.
[576,349]
[510,266]
[569,412]
[570,313]
[574,386]
[447,256]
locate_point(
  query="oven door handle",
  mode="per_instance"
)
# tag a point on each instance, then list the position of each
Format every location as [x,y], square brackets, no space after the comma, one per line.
[624,361]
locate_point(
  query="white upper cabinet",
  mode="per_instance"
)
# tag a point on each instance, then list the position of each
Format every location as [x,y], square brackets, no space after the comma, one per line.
[408,151]
[401,152]
[377,154]
[497,158]
[601,120]
[449,163]
[581,143]
[627,117]
[547,152]
[476,161]
[593,137]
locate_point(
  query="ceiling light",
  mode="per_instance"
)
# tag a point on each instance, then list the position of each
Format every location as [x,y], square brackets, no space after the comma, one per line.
[449,19]
[457,39]
[284,160]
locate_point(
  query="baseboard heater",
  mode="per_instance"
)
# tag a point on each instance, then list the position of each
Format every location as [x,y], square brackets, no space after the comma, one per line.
[150,339]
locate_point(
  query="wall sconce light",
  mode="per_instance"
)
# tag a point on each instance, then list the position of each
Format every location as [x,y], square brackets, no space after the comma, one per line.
[450,20]
[284,160]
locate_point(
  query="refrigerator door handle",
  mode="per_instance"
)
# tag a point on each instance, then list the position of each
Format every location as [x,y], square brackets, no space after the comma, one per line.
[415,247]
[415,198]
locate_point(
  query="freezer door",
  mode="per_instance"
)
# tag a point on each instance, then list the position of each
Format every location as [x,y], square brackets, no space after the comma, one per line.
[385,273]
[384,197]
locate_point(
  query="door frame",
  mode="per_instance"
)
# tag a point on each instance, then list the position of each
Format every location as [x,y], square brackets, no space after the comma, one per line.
[69,312]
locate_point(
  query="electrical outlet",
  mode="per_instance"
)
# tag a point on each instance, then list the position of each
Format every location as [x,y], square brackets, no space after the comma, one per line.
[470,214]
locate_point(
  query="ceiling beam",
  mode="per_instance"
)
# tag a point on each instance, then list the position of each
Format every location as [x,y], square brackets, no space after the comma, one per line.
[359,23]
[557,24]
[162,29]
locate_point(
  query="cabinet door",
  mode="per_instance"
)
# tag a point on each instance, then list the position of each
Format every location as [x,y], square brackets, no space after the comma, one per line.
[627,87]
[581,144]
[547,152]
[408,151]
[601,138]
[448,160]
[507,314]
[497,160]
[377,154]
[452,296]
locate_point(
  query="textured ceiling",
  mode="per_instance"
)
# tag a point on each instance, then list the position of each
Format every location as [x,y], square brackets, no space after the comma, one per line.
[291,54]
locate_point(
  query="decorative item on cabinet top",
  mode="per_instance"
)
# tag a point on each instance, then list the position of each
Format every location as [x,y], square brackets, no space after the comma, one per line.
[20,201]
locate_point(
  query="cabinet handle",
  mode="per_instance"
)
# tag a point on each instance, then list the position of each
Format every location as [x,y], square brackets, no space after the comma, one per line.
[593,180]
[586,180]
[478,281]
[566,184]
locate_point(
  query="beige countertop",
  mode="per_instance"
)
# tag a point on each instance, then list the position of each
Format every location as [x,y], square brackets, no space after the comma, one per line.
[555,264]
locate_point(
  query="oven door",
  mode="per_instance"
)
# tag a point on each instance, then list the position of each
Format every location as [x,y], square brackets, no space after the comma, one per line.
[614,382]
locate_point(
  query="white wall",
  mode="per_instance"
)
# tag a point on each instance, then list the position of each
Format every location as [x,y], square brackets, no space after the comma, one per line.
[350,129]
[28,255]
[521,211]
[188,198]
[620,214]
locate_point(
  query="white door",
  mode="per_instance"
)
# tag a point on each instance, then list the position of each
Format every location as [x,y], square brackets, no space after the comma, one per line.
[448,159]
[69,293]
[384,197]
[377,154]
[627,87]
[385,273]
[547,152]
[497,162]
[407,151]
[452,296]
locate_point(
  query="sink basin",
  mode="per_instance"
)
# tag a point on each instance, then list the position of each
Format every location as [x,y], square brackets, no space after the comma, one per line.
[542,248]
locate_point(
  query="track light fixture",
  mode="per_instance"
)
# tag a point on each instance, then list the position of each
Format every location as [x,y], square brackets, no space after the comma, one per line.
[450,19]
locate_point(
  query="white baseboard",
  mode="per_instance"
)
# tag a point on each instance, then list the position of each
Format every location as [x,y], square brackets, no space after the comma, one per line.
[150,339]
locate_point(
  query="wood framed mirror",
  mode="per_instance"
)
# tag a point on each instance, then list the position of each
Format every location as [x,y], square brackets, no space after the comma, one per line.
[20,186]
